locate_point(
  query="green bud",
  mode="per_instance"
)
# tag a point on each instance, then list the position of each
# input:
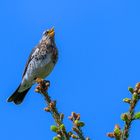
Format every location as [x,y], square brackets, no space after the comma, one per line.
[62,127]
[70,133]
[137,85]
[74,136]
[76,122]
[79,123]
[117,132]
[137,115]
[54,128]
[135,96]
[131,89]
[127,100]
[124,117]
[56,138]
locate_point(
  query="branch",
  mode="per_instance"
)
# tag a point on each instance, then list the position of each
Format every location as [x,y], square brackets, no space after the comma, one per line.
[77,127]
[59,128]
[128,117]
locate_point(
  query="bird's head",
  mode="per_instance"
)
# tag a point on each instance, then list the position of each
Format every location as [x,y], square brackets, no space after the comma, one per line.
[49,33]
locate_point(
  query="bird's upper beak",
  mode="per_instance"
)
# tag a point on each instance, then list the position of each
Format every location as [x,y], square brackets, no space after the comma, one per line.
[51,32]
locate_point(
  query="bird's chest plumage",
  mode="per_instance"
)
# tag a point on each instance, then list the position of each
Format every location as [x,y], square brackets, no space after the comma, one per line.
[41,67]
[42,63]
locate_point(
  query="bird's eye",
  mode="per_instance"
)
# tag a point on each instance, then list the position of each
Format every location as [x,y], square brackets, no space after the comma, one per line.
[45,32]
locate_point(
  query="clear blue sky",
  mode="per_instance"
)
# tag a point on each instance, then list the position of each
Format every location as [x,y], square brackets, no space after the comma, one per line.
[99,57]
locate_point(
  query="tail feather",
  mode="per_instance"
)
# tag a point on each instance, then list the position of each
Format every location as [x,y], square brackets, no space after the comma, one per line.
[17,97]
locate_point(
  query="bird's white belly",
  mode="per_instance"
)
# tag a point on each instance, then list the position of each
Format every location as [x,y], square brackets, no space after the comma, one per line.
[41,69]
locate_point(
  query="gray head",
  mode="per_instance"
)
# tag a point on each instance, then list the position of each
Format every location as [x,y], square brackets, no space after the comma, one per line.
[49,34]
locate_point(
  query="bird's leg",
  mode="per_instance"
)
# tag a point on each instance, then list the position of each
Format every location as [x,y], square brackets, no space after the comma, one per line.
[38,80]
[43,85]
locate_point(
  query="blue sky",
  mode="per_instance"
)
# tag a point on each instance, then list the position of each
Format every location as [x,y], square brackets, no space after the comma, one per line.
[99,45]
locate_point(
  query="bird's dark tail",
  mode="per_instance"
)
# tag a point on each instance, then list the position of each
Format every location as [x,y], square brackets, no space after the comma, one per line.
[17,97]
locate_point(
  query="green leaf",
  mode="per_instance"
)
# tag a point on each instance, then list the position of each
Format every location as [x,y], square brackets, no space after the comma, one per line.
[79,123]
[131,89]
[62,127]
[124,117]
[54,128]
[135,96]
[137,115]
[117,132]
[56,138]
[127,100]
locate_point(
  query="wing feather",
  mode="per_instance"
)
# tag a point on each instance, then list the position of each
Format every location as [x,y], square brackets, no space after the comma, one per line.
[31,56]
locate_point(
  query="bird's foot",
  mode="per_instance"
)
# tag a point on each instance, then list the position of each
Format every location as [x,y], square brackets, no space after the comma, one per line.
[43,85]
[39,80]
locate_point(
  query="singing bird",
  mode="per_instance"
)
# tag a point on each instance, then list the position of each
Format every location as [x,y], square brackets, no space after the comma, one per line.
[40,63]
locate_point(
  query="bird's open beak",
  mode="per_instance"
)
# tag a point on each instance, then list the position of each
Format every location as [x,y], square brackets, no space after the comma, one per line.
[51,32]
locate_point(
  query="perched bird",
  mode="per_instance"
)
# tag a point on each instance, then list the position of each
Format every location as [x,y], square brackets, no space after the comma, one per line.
[39,65]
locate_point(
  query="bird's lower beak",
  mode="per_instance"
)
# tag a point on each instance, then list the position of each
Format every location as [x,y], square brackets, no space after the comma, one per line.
[51,32]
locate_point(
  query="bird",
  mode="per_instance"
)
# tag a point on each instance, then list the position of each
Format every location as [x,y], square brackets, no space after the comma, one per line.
[40,64]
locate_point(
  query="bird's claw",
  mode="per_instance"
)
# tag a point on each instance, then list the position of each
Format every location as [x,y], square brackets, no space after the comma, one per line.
[39,80]
[43,85]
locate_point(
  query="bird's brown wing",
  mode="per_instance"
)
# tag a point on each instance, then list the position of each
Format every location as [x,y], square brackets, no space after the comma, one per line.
[31,56]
